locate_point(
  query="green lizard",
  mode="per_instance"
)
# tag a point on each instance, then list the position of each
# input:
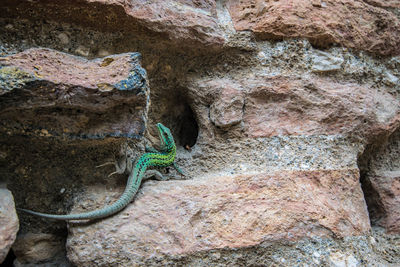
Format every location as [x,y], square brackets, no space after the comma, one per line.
[154,158]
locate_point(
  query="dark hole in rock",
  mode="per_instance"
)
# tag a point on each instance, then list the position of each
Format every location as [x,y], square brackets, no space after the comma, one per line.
[187,128]
[171,107]
[183,123]
[9,260]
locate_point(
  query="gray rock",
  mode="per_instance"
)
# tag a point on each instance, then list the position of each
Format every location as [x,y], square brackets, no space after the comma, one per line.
[323,61]
[9,223]
[39,249]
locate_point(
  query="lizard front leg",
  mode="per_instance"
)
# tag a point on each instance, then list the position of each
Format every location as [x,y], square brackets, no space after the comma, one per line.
[153,150]
[178,169]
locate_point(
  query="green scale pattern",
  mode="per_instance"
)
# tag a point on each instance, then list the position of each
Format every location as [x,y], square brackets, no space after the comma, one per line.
[164,158]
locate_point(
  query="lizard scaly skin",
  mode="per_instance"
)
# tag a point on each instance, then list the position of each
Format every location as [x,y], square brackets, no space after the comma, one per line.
[155,158]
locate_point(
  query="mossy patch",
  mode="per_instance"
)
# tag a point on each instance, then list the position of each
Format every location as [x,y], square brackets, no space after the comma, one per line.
[13,77]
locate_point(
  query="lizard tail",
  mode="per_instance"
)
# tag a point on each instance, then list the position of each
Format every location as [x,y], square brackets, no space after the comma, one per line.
[49,216]
[121,203]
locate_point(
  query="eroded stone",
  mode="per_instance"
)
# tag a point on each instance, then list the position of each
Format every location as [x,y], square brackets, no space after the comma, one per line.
[37,247]
[323,61]
[354,24]
[48,91]
[9,223]
[382,183]
[183,217]
[290,105]
[180,20]
[387,186]
[227,110]
[384,3]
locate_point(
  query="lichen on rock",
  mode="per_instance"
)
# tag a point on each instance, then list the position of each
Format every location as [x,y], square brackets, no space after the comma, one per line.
[285,114]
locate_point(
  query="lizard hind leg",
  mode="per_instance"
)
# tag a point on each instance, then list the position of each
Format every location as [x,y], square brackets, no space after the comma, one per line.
[156,174]
[151,149]
[124,164]
[118,169]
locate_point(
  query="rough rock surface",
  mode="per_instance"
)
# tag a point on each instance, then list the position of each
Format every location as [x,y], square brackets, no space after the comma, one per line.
[62,113]
[359,24]
[180,217]
[227,109]
[384,3]
[387,187]
[180,20]
[9,223]
[382,180]
[271,105]
[35,248]
[54,93]
[271,130]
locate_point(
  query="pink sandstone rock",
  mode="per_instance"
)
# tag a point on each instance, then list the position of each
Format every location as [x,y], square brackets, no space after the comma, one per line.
[65,68]
[387,187]
[381,182]
[351,23]
[186,22]
[63,94]
[227,110]
[182,217]
[9,223]
[288,105]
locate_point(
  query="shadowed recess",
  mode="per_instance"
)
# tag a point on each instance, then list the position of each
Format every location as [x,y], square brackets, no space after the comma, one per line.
[188,130]
[375,208]
[9,260]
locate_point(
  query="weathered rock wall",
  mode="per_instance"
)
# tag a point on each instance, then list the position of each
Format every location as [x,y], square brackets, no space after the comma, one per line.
[286,116]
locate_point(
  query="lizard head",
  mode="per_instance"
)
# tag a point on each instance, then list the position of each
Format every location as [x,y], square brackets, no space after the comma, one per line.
[166,138]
